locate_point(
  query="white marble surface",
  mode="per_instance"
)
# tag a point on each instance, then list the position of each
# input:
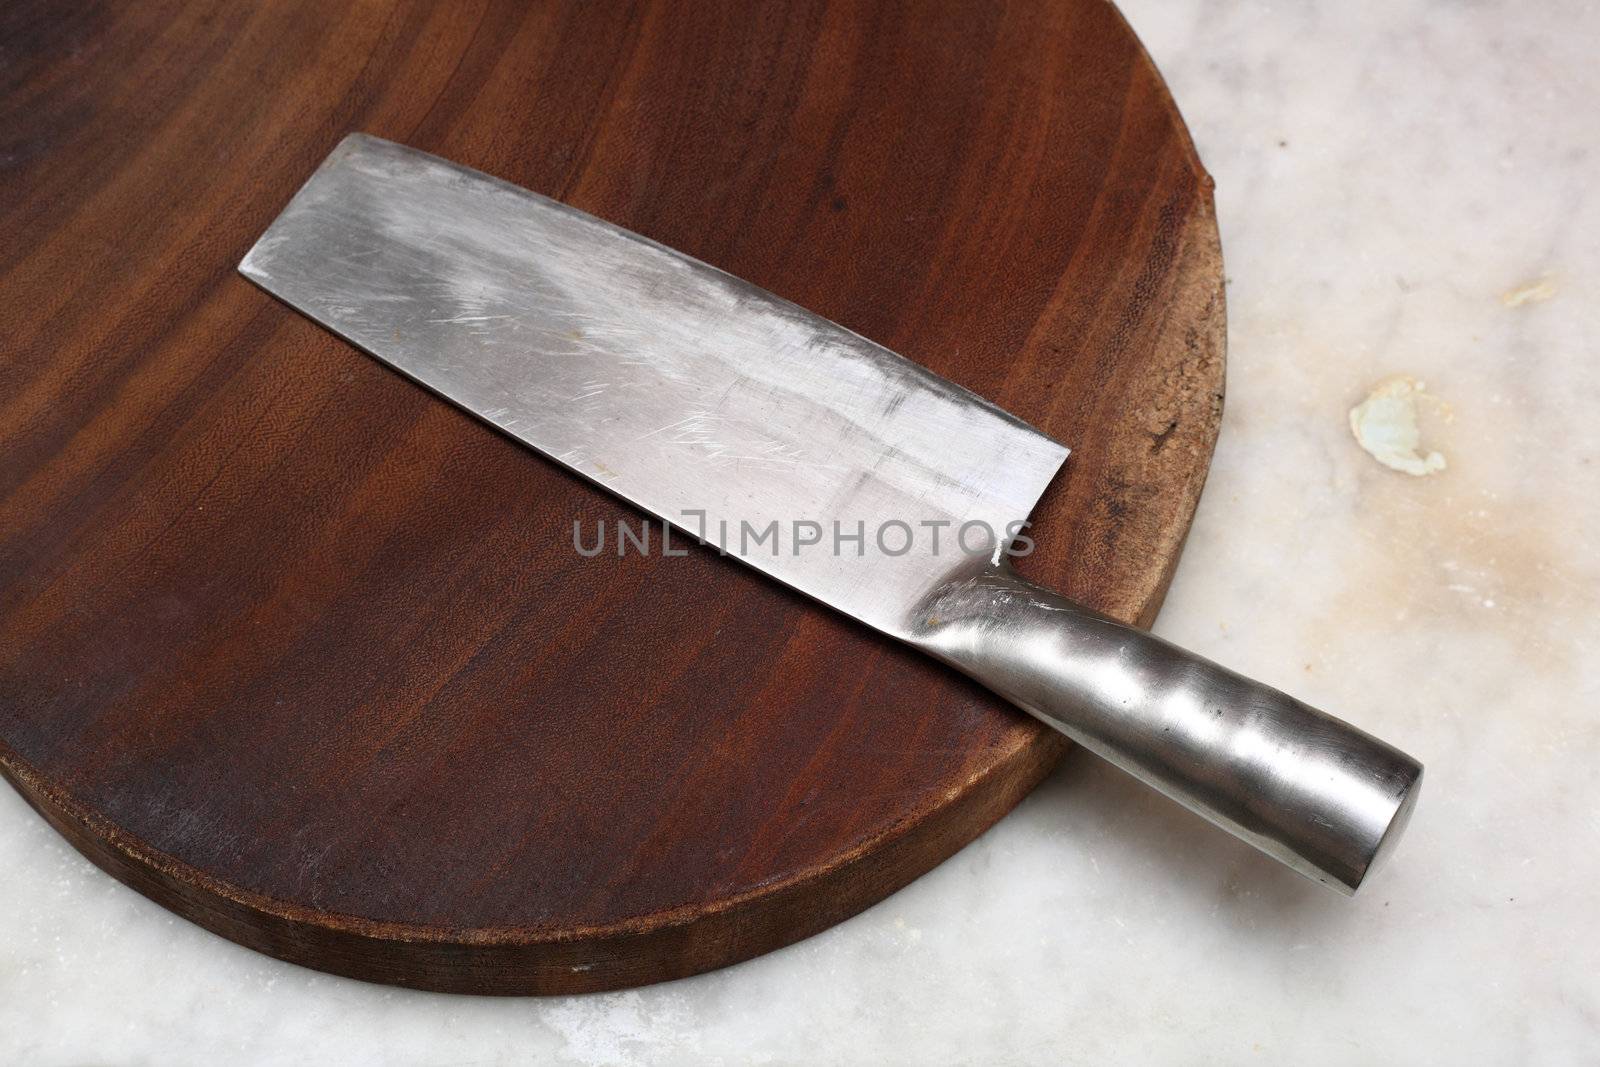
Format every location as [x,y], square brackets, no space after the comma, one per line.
[1385,173]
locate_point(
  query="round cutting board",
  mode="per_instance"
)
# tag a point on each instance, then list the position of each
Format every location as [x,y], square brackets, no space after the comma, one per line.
[307,655]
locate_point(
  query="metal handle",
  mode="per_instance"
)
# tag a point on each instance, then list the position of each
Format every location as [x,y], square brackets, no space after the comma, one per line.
[1326,798]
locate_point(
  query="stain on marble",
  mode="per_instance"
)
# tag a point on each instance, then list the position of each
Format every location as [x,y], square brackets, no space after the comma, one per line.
[1385,425]
[1537,291]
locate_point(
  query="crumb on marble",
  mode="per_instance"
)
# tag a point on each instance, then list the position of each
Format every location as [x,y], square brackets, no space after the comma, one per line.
[1535,292]
[1385,425]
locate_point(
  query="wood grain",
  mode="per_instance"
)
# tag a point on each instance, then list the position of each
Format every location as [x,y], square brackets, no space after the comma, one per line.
[307,656]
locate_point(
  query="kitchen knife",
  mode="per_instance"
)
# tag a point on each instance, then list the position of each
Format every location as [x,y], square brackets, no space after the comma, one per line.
[811,454]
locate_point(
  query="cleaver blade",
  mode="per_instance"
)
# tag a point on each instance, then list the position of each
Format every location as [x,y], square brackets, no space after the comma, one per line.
[697,397]
[812,454]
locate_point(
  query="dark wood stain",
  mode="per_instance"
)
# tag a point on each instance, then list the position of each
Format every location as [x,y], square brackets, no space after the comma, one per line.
[307,656]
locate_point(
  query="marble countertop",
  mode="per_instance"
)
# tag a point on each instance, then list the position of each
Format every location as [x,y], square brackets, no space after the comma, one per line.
[1404,189]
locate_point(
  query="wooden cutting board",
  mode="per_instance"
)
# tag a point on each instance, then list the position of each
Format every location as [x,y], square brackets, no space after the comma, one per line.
[307,656]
